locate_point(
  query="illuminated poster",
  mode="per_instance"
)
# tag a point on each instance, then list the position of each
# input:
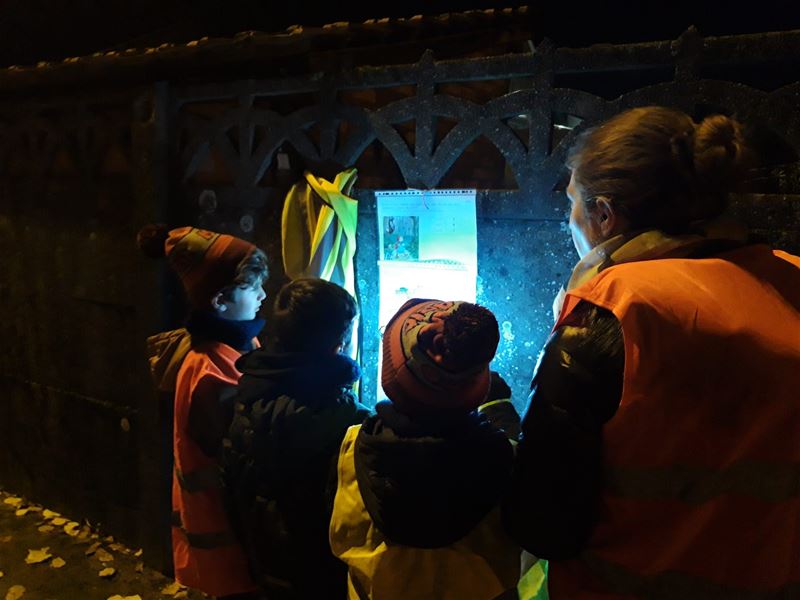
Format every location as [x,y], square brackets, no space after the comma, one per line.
[428,248]
[432,225]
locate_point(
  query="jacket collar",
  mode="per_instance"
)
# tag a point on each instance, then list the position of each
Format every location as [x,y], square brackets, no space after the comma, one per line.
[652,244]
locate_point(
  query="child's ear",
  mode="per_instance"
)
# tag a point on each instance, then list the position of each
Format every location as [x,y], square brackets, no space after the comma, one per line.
[436,348]
[218,303]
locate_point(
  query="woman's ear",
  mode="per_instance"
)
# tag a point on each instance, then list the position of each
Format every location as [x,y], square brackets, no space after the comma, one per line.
[606,218]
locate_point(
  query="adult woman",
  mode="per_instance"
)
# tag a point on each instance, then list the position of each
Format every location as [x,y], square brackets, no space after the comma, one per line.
[659,455]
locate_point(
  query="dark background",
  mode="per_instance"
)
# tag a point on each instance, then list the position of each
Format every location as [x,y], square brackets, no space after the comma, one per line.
[36,30]
[92,150]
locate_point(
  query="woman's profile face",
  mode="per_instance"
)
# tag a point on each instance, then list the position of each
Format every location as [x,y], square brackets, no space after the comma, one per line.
[586,233]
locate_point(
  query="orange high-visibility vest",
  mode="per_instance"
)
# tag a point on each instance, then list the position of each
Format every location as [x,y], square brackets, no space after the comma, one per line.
[205,552]
[701,496]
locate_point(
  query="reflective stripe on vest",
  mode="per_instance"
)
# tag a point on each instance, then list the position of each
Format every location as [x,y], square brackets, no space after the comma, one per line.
[677,586]
[204,541]
[199,479]
[769,482]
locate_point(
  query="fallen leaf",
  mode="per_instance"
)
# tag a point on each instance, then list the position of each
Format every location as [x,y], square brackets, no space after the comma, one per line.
[83,535]
[1,573]
[49,514]
[92,549]
[138,553]
[21,512]
[13,501]
[182,594]
[38,556]
[46,528]
[35,508]
[109,539]
[5,539]
[59,521]
[172,589]
[104,556]
[140,567]
[107,573]
[71,529]
[15,592]
[57,563]
[118,597]
[117,547]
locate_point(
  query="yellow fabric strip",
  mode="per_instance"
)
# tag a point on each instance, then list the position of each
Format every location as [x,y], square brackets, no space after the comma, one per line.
[486,405]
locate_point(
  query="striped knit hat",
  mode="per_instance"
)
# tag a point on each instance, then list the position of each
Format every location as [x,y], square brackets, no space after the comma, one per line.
[205,261]
[418,376]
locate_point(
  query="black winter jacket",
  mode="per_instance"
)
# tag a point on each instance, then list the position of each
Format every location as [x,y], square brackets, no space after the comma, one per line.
[576,389]
[427,483]
[292,412]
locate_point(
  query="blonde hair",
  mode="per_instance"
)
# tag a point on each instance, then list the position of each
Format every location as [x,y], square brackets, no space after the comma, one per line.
[658,167]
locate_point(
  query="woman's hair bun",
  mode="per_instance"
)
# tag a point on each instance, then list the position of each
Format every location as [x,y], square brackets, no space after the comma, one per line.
[151,239]
[720,153]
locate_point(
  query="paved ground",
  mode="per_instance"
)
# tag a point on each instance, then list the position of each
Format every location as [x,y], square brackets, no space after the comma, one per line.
[73,557]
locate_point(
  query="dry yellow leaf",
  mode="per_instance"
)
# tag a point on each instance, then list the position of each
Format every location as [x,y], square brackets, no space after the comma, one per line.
[118,597]
[46,528]
[13,501]
[1,574]
[38,556]
[117,547]
[140,567]
[49,514]
[35,508]
[107,573]
[104,556]
[15,592]
[59,521]
[92,549]
[138,553]
[72,528]
[109,539]
[21,512]
[171,589]
[182,594]
[83,535]
[57,563]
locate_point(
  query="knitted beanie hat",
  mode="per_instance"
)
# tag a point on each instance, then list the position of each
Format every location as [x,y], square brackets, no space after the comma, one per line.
[417,377]
[205,261]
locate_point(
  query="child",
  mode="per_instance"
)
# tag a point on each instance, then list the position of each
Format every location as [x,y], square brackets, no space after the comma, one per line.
[222,276]
[294,403]
[415,513]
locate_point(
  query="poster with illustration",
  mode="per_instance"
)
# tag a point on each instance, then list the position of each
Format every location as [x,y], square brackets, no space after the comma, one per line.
[428,225]
[401,238]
